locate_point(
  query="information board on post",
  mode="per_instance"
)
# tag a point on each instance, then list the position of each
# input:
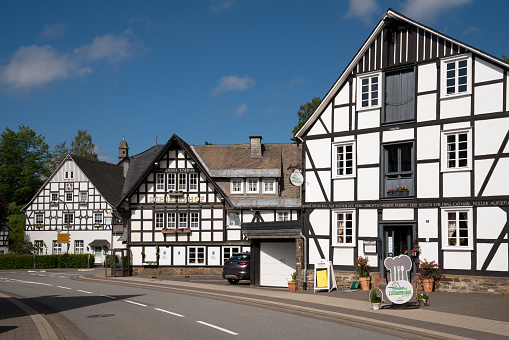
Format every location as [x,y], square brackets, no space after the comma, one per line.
[324,276]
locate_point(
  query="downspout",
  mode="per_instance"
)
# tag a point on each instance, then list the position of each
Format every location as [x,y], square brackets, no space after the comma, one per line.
[305,260]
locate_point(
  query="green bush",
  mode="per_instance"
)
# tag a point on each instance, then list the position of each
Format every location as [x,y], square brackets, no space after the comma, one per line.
[16,261]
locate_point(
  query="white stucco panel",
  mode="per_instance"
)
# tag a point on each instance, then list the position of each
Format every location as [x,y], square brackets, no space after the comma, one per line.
[368,222]
[326,117]
[147,225]
[489,135]
[368,183]
[320,221]
[428,180]
[343,256]
[135,225]
[268,216]
[428,142]
[499,261]
[427,77]
[489,98]
[341,119]
[147,237]
[314,255]
[457,260]
[490,222]
[165,256]
[368,119]
[344,189]
[455,107]
[320,151]
[368,148]
[498,183]
[482,167]
[427,223]
[456,184]
[486,71]
[179,256]
[316,129]
[135,237]
[426,107]
[313,189]
[429,251]
[147,214]
[397,214]
[343,95]
[397,135]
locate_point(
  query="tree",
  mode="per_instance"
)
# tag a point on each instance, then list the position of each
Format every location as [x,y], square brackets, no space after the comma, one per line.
[82,145]
[506,58]
[57,156]
[23,164]
[3,210]
[305,112]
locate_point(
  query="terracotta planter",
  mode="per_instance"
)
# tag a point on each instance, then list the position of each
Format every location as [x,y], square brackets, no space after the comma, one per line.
[365,282]
[292,286]
[427,284]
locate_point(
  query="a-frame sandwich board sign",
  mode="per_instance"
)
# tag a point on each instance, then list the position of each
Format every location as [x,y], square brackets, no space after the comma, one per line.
[324,276]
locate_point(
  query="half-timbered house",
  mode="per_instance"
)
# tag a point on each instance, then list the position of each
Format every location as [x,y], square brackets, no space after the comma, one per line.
[410,148]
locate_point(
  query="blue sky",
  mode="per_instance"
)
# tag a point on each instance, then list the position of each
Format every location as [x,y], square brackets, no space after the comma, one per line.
[216,71]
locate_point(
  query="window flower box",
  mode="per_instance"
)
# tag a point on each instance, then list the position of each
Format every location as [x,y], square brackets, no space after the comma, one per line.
[150,263]
[398,191]
[53,202]
[176,193]
[177,231]
[82,202]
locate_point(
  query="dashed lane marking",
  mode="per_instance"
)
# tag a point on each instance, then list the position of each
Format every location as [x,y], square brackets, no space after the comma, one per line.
[165,311]
[218,328]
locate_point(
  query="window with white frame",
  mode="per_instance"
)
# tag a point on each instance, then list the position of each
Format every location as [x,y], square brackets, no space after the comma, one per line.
[236,186]
[69,175]
[194,220]
[234,219]
[456,76]
[457,228]
[229,251]
[159,220]
[196,255]
[68,196]
[269,185]
[182,220]
[68,218]
[193,182]
[252,185]
[183,182]
[57,248]
[79,247]
[159,182]
[456,150]
[344,221]
[283,216]
[39,247]
[172,182]
[172,220]
[98,218]
[83,196]
[344,159]
[368,91]
[39,219]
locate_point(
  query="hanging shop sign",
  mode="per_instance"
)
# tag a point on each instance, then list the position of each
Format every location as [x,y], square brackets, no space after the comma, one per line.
[399,290]
[296,178]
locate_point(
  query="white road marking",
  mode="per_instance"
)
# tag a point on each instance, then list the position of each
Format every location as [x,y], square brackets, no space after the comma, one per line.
[64,287]
[219,328]
[39,283]
[109,297]
[136,303]
[83,291]
[165,311]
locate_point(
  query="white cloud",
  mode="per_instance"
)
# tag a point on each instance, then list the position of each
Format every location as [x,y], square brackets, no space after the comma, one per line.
[233,83]
[221,5]
[33,66]
[362,9]
[429,10]
[53,31]
[239,111]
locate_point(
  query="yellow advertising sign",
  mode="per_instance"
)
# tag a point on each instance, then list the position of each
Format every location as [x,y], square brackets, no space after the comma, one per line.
[63,238]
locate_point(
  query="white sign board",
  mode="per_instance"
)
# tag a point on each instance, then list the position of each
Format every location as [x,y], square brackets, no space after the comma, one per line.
[324,276]
[399,290]
[296,178]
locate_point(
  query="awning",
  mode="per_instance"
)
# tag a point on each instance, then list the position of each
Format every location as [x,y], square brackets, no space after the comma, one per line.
[271,230]
[99,243]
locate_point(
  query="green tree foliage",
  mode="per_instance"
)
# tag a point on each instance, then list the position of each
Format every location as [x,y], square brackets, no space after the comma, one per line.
[23,164]
[207,143]
[82,145]
[305,111]
[3,210]
[506,58]
[57,156]
[16,221]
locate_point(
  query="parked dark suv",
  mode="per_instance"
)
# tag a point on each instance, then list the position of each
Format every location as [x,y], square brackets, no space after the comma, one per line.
[237,268]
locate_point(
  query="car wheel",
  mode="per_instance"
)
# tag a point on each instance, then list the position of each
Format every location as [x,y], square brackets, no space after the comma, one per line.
[233,281]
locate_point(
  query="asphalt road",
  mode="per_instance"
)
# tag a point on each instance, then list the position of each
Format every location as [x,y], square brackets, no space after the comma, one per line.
[105,311]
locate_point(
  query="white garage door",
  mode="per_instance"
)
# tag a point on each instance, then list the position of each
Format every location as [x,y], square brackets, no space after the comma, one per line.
[277,263]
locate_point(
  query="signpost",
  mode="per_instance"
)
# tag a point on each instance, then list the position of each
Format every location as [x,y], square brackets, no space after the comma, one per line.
[64,238]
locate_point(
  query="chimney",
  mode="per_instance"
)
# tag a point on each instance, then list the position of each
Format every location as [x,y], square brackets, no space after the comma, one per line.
[256,146]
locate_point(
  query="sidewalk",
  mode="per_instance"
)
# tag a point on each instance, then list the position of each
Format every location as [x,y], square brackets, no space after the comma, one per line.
[449,315]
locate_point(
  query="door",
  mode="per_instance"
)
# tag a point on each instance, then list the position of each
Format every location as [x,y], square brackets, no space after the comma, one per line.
[397,240]
[277,263]
[98,254]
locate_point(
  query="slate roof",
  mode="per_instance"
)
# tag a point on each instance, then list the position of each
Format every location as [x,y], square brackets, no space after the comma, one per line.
[138,164]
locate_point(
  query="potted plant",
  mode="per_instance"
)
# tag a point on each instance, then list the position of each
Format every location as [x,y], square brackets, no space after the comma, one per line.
[292,285]
[429,272]
[422,299]
[375,300]
[362,267]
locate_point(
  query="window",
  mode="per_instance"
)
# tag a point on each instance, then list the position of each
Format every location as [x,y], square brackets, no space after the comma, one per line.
[283,216]
[172,220]
[456,76]
[399,96]
[236,186]
[54,197]
[196,255]
[367,91]
[83,196]
[68,196]
[234,219]
[456,150]
[171,182]
[344,160]
[398,170]
[39,218]
[78,247]
[457,228]
[69,175]
[159,182]
[39,247]
[193,182]
[182,220]
[229,251]
[183,182]
[159,220]
[68,218]
[98,218]
[343,228]
[57,248]
[252,185]
[194,219]
[269,185]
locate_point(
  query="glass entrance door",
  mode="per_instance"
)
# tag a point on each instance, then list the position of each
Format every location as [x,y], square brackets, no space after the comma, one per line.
[397,240]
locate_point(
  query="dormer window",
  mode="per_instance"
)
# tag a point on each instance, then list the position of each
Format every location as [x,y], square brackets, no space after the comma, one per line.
[252,185]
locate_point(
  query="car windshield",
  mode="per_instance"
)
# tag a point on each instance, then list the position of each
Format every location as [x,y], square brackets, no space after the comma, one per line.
[240,257]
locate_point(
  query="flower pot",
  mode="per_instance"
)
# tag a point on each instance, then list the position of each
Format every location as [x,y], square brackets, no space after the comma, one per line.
[292,286]
[365,281]
[375,306]
[422,302]
[427,284]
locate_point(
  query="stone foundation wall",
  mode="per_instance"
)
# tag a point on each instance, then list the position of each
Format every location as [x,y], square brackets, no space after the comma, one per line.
[176,271]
